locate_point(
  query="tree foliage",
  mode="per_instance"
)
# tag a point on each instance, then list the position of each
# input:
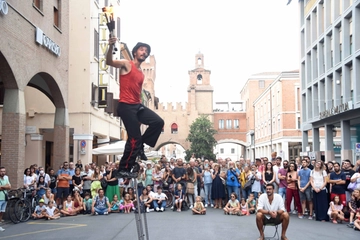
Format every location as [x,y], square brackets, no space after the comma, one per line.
[201,137]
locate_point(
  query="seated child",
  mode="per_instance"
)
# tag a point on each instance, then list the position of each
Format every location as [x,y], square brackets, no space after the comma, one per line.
[51,212]
[179,197]
[232,206]
[357,224]
[353,207]
[335,210]
[128,204]
[38,213]
[244,208]
[159,200]
[87,203]
[115,204]
[251,204]
[146,199]
[68,207]
[198,207]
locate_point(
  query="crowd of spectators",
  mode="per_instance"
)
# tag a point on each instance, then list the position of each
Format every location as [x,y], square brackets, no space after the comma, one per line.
[324,191]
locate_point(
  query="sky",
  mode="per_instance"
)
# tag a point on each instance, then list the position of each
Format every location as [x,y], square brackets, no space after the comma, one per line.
[238,38]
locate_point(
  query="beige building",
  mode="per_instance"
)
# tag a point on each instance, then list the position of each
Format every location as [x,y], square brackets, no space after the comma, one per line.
[34,76]
[277,118]
[253,87]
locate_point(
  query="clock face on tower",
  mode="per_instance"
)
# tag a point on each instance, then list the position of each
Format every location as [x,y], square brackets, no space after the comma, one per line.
[199,77]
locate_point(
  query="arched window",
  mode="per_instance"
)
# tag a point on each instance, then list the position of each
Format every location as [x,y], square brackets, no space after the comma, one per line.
[174,128]
[199,78]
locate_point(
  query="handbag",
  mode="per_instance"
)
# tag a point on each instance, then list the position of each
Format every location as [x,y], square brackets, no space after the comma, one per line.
[247,185]
[103,183]
[352,186]
[190,188]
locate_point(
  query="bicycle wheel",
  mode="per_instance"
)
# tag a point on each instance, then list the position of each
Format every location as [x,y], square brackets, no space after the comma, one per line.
[23,210]
[10,208]
[169,201]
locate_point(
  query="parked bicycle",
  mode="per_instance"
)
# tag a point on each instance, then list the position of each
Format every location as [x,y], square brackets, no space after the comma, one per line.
[170,197]
[21,204]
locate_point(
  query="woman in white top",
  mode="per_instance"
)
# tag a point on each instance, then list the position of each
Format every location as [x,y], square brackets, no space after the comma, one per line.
[356,178]
[318,184]
[29,181]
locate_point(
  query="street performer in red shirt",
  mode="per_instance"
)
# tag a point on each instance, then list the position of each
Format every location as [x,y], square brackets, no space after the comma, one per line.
[132,111]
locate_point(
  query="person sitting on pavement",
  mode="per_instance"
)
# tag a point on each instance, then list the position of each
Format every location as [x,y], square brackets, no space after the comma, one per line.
[128,204]
[159,200]
[152,195]
[357,224]
[271,210]
[198,207]
[244,210]
[179,197]
[39,209]
[51,212]
[232,207]
[352,207]
[100,204]
[78,201]
[251,203]
[48,196]
[68,207]
[146,199]
[87,203]
[335,210]
[115,204]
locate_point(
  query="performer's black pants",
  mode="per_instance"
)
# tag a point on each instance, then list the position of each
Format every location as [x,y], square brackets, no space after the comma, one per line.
[132,116]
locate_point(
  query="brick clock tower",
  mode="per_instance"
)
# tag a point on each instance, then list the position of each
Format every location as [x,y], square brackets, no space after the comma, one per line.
[200,92]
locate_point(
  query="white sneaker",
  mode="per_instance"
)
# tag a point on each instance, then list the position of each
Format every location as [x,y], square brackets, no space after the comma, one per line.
[106,213]
[147,210]
[206,205]
[212,205]
[191,206]
[2,229]
[172,207]
[157,209]
[294,212]
[162,209]
[151,210]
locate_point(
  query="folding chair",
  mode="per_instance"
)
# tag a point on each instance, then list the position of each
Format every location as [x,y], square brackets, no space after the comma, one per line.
[276,231]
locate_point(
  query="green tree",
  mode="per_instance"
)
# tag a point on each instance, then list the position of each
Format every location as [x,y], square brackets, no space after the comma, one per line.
[201,137]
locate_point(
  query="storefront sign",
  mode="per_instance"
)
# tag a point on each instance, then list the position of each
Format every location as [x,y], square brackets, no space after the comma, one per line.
[103,46]
[44,40]
[4,8]
[336,110]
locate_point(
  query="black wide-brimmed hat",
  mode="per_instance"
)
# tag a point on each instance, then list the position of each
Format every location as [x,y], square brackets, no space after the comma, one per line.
[140,44]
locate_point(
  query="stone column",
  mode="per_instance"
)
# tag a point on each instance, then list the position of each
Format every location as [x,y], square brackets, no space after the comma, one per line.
[346,152]
[305,140]
[13,136]
[316,143]
[61,136]
[329,143]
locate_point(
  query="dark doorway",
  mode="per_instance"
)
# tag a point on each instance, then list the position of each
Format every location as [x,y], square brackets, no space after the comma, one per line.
[49,148]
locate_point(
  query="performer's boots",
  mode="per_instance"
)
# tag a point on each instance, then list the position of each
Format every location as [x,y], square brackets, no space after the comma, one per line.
[142,154]
[125,173]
